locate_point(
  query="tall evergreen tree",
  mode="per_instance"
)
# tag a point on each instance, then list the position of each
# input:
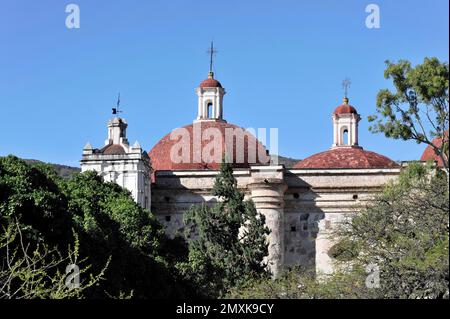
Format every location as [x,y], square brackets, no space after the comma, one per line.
[228,239]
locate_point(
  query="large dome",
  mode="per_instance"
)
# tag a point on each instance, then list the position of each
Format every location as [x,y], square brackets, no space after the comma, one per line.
[253,152]
[346,157]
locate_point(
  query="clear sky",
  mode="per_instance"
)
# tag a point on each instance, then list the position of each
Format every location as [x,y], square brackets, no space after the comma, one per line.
[282,63]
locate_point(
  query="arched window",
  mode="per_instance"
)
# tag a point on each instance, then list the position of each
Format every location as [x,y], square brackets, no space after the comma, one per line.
[209,110]
[345,137]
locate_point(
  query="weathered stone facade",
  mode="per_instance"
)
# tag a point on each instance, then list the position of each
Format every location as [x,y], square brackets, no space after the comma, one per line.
[301,205]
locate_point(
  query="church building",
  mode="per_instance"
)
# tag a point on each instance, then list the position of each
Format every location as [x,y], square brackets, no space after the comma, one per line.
[301,204]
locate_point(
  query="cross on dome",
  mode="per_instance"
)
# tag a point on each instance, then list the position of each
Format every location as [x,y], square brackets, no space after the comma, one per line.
[345,85]
[211,51]
[210,94]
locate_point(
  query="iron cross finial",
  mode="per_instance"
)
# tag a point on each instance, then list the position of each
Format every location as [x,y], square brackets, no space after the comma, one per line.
[345,85]
[211,51]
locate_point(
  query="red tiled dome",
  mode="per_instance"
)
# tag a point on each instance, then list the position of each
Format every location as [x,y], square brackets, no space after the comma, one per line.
[210,83]
[430,155]
[346,157]
[345,108]
[161,153]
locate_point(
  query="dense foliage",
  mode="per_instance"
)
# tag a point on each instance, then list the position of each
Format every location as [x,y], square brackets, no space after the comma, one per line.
[112,229]
[405,232]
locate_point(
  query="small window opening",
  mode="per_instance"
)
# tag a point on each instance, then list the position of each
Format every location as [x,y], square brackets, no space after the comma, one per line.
[345,137]
[209,110]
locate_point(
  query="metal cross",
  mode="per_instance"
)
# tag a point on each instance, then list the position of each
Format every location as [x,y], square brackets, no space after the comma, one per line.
[345,85]
[211,51]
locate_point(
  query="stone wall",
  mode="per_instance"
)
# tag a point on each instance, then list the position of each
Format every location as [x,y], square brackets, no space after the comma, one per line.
[304,204]
[316,200]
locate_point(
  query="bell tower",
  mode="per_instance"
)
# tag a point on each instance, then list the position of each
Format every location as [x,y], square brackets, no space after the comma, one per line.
[345,125]
[210,95]
[210,99]
[119,162]
[345,122]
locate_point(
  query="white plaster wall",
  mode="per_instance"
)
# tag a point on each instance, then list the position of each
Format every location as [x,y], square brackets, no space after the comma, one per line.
[131,174]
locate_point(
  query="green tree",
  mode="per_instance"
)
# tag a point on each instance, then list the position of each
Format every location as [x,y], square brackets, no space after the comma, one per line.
[228,239]
[418,109]
[32,195]
[112,229]
[36,233]
[405,232]
[112,225]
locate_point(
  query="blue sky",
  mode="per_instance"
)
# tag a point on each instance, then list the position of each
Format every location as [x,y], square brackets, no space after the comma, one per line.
[282,63]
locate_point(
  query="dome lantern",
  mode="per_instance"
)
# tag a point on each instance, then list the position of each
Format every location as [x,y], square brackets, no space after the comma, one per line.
[345,125]
[210,95]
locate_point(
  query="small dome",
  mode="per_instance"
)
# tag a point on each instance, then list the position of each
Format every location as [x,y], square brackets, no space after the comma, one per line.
[345,108]
[346,157]
[112,149]
[430,155]
[210,82]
